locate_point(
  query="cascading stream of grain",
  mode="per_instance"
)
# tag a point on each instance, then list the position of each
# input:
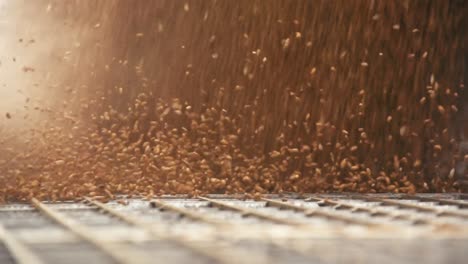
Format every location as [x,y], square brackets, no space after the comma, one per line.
[244,97]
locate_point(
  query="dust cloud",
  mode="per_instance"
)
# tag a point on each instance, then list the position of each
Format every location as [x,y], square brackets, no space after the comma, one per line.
[39,54]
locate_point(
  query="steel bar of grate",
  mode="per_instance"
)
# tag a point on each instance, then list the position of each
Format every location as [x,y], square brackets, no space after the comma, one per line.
[20,252]
[184,212]
[226,228]
[119,255]
[6,210]
[459,204]
[318,212]
[215,256]
[378,212]
[417,207]
[248,212]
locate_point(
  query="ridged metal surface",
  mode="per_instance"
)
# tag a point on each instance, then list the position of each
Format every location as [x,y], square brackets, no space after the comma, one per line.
[222,229]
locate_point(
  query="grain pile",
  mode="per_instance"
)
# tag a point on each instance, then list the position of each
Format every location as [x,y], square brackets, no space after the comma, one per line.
[158,147]
[283,101]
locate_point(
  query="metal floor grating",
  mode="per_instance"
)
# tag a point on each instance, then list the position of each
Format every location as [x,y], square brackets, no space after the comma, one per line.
[338,228]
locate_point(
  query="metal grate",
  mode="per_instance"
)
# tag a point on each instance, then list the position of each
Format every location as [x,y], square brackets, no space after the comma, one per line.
[227,229]
[5,256]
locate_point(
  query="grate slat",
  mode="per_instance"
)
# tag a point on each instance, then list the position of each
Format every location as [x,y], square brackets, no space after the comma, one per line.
[418,207]
[441,201]
[19,251]
[249,212]
[184,212]
[373,211]
[83,232]
[318,212]
[214,256]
